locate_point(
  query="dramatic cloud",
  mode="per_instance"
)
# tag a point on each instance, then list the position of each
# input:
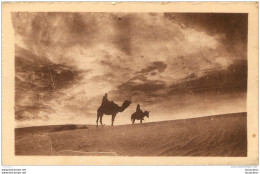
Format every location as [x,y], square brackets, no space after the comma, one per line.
[65,62]
[231,28]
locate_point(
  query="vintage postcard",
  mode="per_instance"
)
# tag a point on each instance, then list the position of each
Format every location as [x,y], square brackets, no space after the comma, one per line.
[130,83]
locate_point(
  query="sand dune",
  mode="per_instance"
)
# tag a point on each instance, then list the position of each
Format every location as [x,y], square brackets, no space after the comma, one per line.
[221,135]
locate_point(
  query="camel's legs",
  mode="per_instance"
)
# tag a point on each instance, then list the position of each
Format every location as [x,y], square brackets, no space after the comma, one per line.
[113,118]
[101,121]
[99,115]
[97,119]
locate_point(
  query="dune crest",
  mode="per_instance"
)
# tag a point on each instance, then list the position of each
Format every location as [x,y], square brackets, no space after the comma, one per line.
[221,135]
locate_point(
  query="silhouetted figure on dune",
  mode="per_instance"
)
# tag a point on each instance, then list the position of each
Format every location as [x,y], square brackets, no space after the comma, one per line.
[105,101]
[139,115]
[110,108]
[138,109]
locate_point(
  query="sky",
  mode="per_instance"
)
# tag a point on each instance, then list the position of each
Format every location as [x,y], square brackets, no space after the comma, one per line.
[175,65]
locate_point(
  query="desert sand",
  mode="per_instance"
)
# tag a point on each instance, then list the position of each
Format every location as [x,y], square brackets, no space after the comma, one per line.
[220,135]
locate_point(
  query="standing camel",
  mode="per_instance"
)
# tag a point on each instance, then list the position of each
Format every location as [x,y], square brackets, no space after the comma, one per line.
[139,116]
[111,109]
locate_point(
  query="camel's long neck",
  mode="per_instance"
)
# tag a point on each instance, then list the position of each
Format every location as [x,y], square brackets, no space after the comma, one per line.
[123,107]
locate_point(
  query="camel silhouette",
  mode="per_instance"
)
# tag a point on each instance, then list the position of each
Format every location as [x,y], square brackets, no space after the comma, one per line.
[139,116]
[111,109]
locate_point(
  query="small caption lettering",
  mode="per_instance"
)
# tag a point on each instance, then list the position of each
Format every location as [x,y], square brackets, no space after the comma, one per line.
[13,171]
[251,171]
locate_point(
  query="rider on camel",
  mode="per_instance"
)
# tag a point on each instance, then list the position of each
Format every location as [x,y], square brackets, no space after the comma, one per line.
[105,101]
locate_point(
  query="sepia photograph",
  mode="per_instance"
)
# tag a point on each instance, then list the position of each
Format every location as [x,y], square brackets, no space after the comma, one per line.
[131,84]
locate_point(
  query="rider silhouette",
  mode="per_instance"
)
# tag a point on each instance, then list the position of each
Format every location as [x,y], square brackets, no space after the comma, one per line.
[105,101]
[138,109]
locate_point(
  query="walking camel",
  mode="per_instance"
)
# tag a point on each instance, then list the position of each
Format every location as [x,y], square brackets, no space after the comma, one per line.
[111,109]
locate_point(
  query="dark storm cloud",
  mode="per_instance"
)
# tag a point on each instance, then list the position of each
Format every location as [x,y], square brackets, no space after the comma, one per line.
[138,89]
[232,27]
[229,80]
[191,76]
[37,81]
[234,78]
[140,83]
[158,65]
[149,87]
[146,87]
[45,75]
